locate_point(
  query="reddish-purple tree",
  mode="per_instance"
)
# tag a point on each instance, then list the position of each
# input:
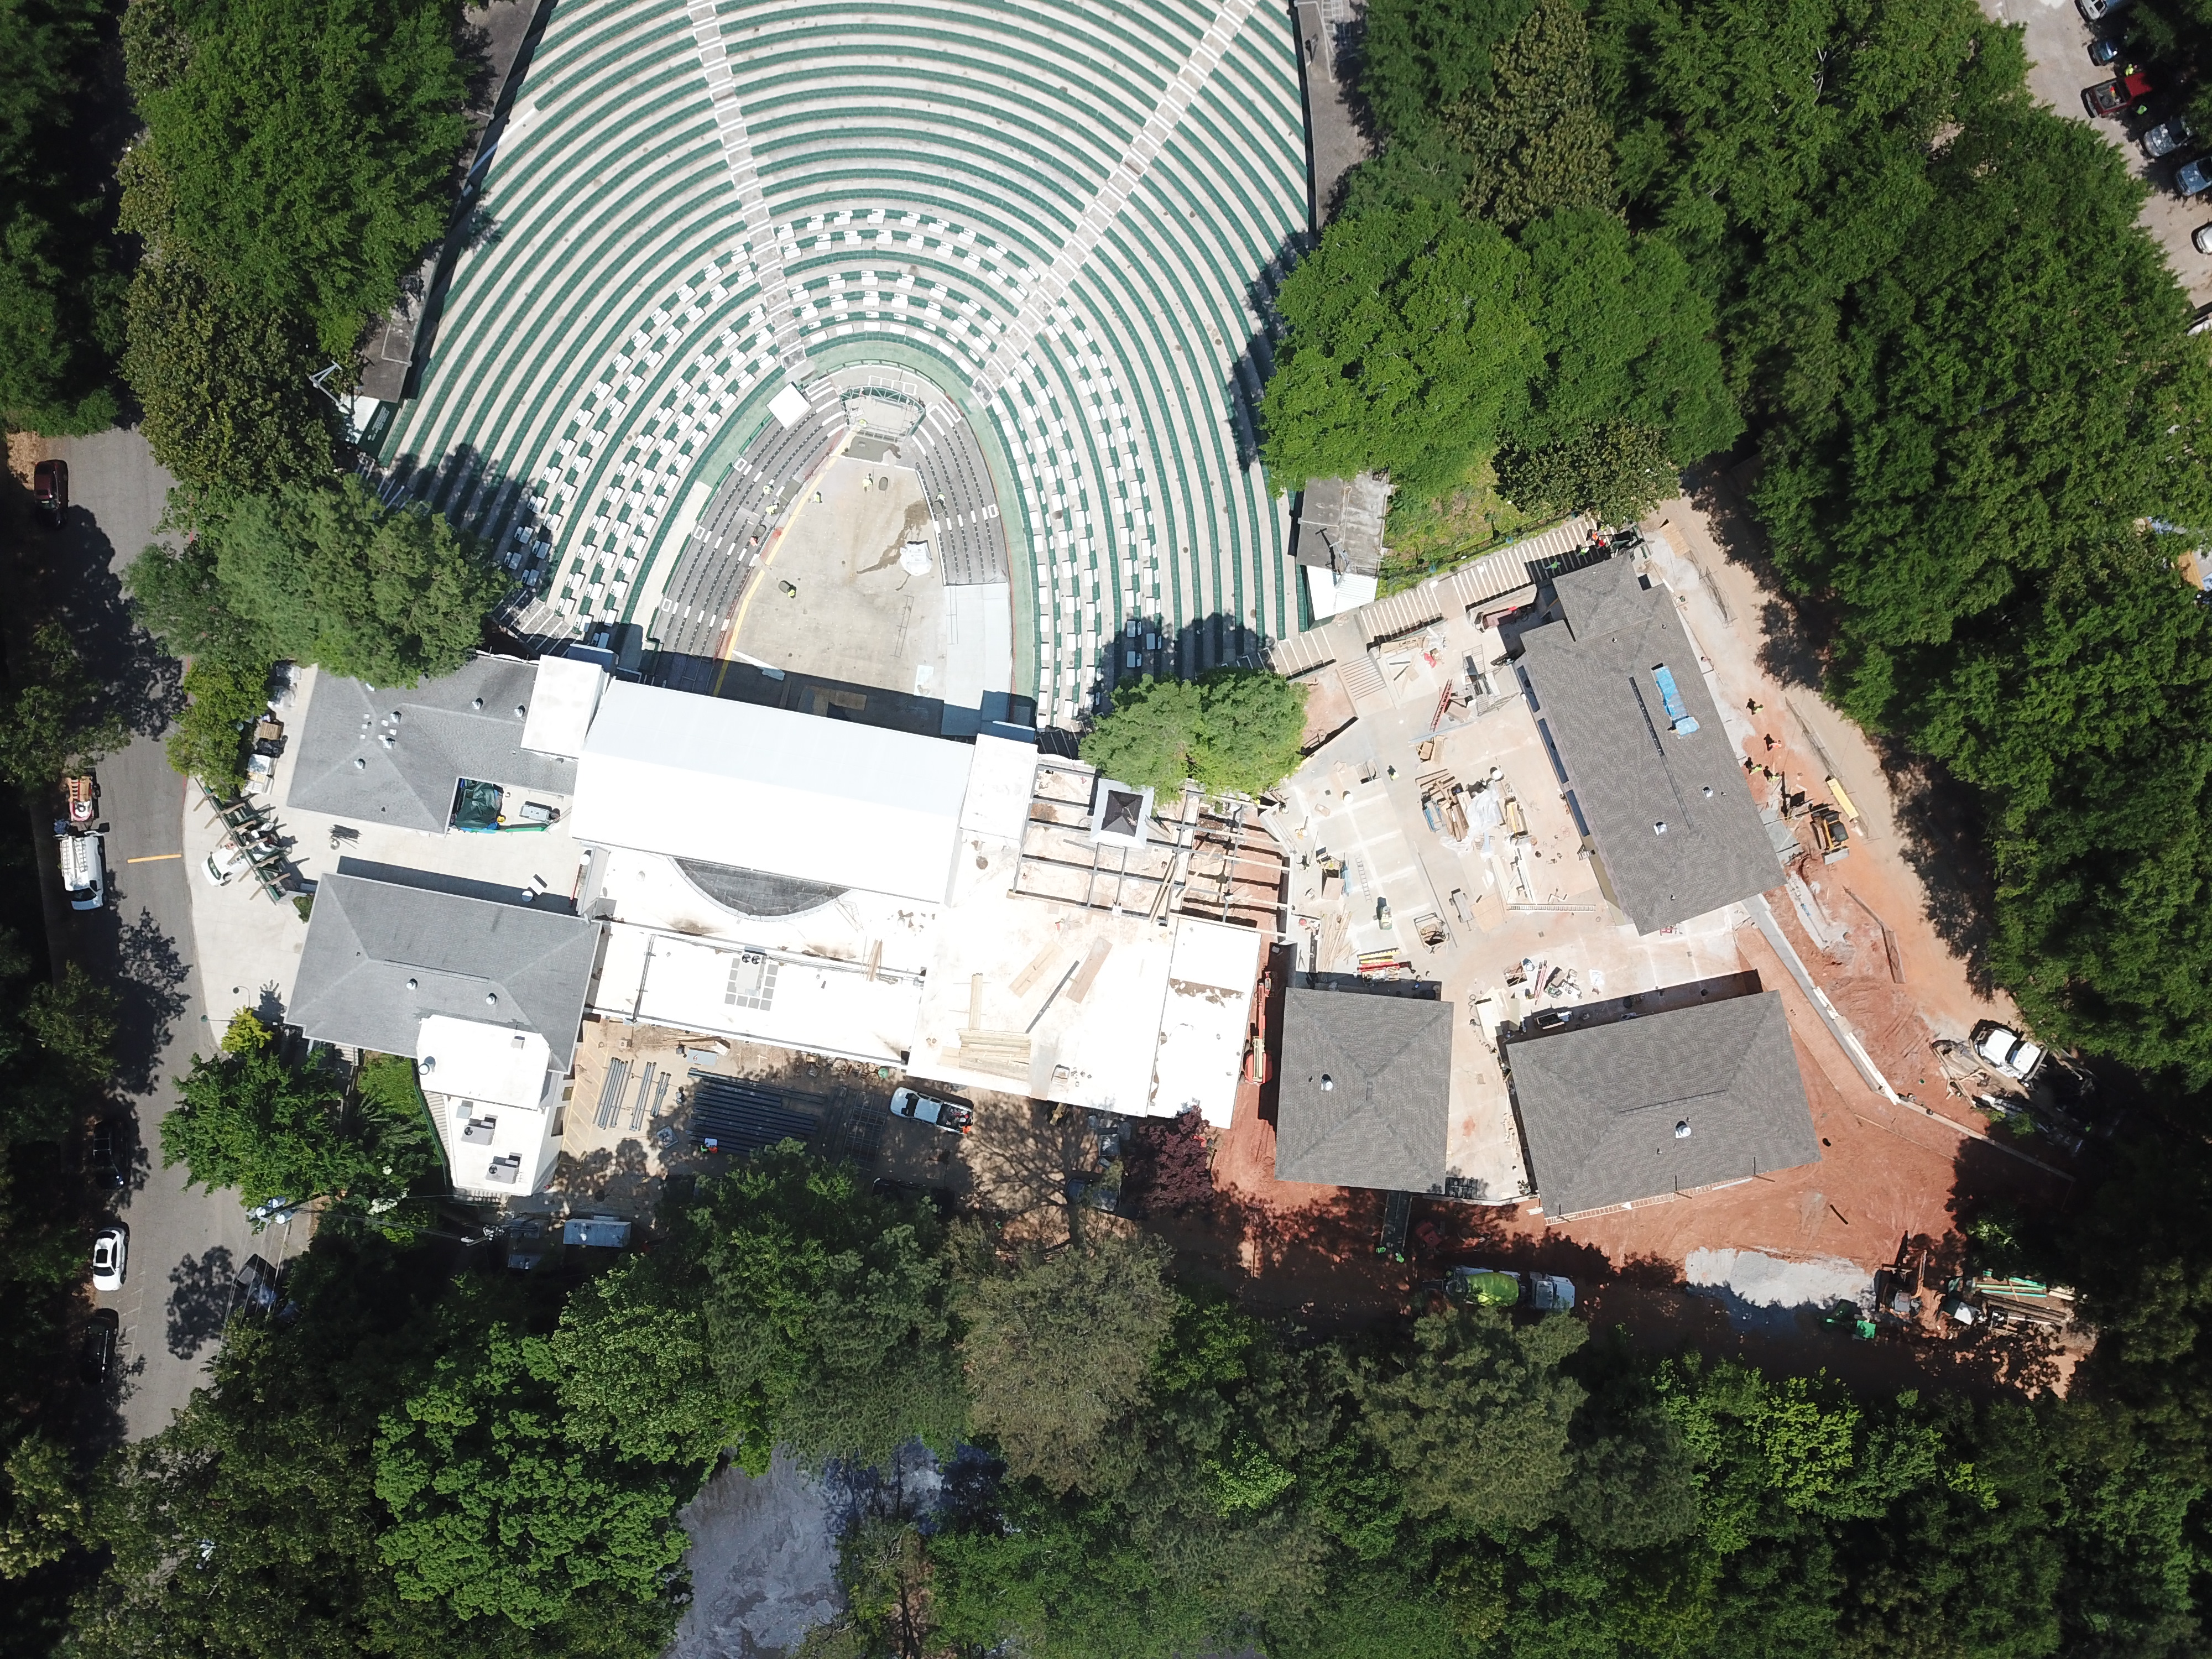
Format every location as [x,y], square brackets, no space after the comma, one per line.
[1170,1166]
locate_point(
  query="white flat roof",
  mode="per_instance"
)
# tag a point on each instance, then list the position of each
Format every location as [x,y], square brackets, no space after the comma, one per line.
[479,1133]
[561,704]
[999,784]
[1205,1018]
[767,789]
[819,1004]
[1109,1011]
[489,1064]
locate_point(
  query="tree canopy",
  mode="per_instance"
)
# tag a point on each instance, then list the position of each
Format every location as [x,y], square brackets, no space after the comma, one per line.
[299,158]
[1059,1349]
[252,1120]
[410,1460]
[322,573]
[1410,345]
[61,284]
[1234,731]
[54,716]
[1959,462]
[307,147]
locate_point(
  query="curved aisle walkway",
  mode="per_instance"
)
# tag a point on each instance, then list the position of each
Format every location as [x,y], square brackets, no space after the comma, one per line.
[1076,211]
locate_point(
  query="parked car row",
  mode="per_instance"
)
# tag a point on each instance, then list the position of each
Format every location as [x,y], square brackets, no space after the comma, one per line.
[2127,97]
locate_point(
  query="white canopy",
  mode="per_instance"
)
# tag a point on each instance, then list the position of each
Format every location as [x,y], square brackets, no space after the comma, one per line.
[561,706]
[767,789]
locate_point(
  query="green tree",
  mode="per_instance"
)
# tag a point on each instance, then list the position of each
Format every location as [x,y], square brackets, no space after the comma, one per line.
[251,1524]
[1146,739]
[222,384]
[1958,459]
[1475,1423]
[1628,337]
[1613,469]
[1058,1348]
[1409,348]
[1236,730]
[634,1374]
[1419,57]
[60,294]
[252,1120]
[307,146]
[322,573]
[1534,135]
[46,1511]
[1250,722]
[74,1020]
[497,1511]
[53,715]
[208,739]
[825,1315]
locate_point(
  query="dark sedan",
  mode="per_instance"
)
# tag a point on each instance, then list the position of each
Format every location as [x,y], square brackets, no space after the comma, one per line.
[49,489]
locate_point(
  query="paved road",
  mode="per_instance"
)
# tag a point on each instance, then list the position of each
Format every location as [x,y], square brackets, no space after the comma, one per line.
[184,1246]
[2058,68]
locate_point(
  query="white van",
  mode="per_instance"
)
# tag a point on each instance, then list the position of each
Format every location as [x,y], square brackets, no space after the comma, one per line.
[84,870]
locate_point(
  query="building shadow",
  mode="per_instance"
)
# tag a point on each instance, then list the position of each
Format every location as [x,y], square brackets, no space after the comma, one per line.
[460,886]
[1612,1011]
[835,699]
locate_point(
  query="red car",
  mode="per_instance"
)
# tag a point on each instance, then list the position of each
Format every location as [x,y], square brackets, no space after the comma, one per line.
[2111,97]
[49,488]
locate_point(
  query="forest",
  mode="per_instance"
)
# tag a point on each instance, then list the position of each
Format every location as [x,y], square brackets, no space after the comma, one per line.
[1835,249]
[494,1463]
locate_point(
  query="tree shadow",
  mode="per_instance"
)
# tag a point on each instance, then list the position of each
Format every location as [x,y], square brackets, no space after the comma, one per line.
[138,682]
[199,1300]
[1793,628]
[1942,834]
[151,993]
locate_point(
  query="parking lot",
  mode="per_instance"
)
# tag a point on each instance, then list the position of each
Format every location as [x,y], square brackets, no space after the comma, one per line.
[2059,68]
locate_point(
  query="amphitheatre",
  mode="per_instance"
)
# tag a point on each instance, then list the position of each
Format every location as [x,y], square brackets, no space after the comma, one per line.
[990,276]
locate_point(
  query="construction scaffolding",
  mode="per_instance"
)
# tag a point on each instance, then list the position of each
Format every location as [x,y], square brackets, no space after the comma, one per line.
[1188,859]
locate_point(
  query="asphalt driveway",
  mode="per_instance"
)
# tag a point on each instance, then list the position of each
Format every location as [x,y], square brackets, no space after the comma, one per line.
[184,1246]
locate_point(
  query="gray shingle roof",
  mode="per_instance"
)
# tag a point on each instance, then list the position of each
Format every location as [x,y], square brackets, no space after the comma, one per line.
[1599,1104]
[1383,1122]
[366,938]
[1629,770]
[442,737]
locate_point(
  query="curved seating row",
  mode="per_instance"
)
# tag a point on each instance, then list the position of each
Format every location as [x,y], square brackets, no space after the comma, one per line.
[922,169]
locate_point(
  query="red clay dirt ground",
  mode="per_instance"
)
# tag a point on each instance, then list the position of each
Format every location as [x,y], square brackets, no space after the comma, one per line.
[1886,1172]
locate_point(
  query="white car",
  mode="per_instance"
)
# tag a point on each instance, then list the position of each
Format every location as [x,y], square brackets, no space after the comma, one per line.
[109,1247]
[2203,237]
[226,861]
[2009,1052]
[953,1117]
